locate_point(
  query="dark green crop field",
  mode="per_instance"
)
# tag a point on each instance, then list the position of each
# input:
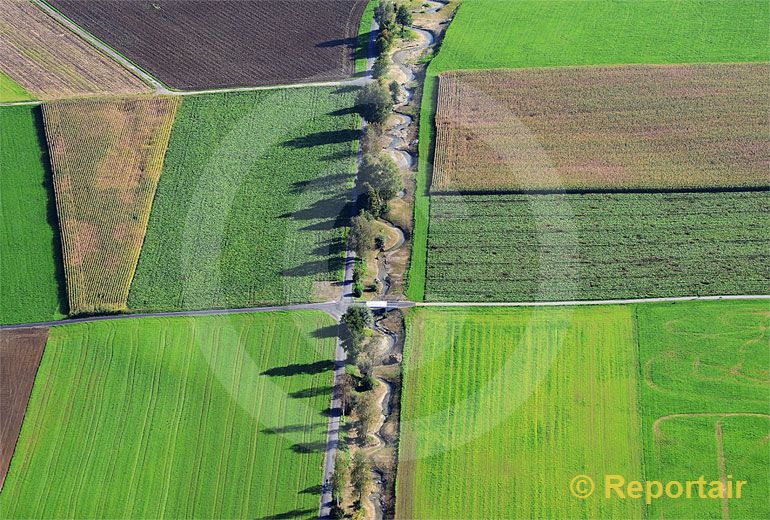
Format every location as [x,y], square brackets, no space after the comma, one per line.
[31,277]
[597,246]
[488,34]
[191,417]
[251,205]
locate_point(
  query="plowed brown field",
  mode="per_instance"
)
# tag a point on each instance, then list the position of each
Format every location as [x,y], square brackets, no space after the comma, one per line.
[199,44]
[20,353]
[106,156]
[621,127]
[50,62]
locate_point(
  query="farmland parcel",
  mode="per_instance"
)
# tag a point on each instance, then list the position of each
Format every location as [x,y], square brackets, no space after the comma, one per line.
[107,157]
[251,207]
[488,34]
[200,44]
[20,353]
[705,369]
[597,246]
[206,417]
[51,62]
[615,128]
[503,407]
[31,282]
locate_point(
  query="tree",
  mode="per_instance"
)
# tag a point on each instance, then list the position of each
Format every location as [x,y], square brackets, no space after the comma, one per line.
[366,415]
[358,318]
[361,475]
[371,201]
[404,16]
[371,142]
[340,476]
[381,66]
[395,90]
[345,388]
[374,102]
[385,14]
[382,172]
[362,234]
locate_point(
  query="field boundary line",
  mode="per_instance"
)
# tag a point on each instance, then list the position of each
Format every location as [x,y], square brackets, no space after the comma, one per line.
[594,302]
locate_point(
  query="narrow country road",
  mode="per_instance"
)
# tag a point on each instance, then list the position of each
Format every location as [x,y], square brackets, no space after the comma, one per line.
[333,432]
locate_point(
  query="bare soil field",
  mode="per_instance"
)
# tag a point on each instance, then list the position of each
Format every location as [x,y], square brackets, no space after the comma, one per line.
[50,62]
[218,44]
[106,156]
[20,353]
[606,128]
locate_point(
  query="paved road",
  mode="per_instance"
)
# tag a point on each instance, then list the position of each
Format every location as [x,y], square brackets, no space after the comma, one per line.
[333,432]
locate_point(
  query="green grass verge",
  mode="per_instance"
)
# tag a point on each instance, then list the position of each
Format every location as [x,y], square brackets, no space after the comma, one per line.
[502,407]
[11,91]
[710,358]
[252,203]
[192,417]
[597,246]
[31,277]
[489,34]
[364,30]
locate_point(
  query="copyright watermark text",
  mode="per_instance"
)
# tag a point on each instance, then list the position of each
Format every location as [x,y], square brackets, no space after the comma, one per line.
[616,486]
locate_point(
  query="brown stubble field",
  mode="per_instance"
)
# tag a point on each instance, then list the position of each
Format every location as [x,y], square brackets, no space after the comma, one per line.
[198,44]
[50,62]
[107,156]
[605,128]
[20,354]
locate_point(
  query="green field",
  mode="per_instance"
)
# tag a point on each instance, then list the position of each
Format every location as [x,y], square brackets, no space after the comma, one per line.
[11,91]
[503,406]
[31,278]
[707,358]
[364,30]
[534,33]
[597,246]
[251,206]
[204,417]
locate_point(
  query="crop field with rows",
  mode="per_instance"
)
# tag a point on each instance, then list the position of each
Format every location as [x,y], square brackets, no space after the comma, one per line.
[251,207]
[107,156]
[31,281]
[503,407]
[597,246]
[187,417]
[51,62]
[200,44]
[705,388]
[620,127]
[498,34]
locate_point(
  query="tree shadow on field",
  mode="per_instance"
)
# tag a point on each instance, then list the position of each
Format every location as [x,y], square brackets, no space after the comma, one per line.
[293,428]
[308,447]
[296,513]
[300,368]
[313,490]
[314,267]
[325,332]
[324,138]
[51,213]
[307,393]
[324,183]
[350,42]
